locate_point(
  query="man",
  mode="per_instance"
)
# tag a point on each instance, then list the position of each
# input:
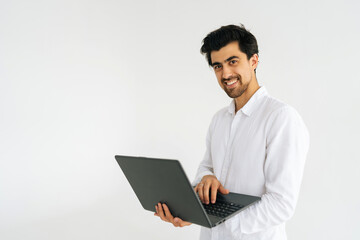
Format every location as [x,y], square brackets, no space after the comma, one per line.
[255,146]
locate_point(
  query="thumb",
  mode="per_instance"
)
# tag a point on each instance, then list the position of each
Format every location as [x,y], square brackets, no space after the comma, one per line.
[223,190]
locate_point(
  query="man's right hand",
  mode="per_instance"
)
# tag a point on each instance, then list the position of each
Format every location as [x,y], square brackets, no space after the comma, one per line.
[209,182]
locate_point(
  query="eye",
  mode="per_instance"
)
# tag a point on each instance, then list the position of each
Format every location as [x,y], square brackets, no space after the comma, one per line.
[233,61]
[216,67]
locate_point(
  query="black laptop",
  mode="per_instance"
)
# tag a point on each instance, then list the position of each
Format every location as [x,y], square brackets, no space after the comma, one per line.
[163,180]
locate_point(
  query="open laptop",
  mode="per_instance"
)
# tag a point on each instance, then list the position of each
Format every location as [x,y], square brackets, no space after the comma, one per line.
[163,180]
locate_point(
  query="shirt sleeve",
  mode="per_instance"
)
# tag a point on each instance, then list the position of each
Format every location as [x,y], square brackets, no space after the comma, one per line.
[287,143]
[206,166]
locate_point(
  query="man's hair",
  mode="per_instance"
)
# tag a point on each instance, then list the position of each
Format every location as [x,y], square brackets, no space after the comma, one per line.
[226,34]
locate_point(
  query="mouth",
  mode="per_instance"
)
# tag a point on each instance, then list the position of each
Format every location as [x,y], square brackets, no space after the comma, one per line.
[231,83]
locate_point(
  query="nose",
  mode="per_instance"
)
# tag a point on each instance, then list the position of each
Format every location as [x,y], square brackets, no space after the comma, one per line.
[226,72]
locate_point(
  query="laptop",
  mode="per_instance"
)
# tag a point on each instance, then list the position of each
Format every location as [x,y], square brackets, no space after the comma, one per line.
[164,180]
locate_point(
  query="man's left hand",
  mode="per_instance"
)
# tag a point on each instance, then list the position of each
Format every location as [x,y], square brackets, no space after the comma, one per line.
[163,212]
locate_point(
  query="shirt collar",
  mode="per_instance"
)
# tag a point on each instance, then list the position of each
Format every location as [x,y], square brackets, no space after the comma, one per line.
[251,105]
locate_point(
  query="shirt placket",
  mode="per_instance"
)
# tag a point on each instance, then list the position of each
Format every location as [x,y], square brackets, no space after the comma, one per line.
[227,159]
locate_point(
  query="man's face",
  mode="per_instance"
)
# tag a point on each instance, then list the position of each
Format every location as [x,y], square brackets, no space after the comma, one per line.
[232,69]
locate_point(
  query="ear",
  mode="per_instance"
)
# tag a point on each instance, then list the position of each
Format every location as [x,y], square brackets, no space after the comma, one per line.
[254,60]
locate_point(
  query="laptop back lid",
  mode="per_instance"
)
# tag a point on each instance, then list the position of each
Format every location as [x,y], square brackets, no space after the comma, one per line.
[162,180]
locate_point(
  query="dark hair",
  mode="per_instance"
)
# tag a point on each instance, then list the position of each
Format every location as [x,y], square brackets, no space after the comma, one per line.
[226,34]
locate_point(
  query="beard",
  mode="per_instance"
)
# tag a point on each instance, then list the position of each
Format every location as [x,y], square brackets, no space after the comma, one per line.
[239,90]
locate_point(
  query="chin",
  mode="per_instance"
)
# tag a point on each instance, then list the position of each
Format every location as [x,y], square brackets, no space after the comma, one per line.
[236,93]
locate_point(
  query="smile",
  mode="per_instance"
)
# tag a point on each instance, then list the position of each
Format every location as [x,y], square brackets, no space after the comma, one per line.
[231,83]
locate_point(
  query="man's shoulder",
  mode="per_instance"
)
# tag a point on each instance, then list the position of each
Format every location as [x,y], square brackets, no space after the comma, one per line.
[274,109]
[267,107]
[220,115]
[222,112]
[271,104]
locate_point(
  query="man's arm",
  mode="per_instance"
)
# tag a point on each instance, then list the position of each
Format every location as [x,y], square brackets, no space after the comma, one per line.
[287,146]
[205,167]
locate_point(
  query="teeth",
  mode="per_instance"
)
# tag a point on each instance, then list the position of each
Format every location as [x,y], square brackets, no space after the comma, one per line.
[231,82]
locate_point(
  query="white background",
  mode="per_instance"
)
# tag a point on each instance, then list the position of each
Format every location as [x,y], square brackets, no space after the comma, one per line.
[81,81]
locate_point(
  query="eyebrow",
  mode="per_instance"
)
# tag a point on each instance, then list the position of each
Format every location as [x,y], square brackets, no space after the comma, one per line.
[227,60]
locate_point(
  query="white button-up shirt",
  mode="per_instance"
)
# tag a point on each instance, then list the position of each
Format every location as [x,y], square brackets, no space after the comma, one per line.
[260,151]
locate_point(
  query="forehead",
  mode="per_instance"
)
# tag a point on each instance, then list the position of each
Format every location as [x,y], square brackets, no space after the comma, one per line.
[229,50]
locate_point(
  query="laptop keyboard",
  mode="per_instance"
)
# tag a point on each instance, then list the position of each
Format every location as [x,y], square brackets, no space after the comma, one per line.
[221,209]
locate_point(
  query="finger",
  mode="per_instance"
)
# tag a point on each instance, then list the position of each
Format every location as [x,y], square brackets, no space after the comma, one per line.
[223,190]
[180,223]
[206,192]
[214,189]
[161,213]
[200,191]
[176,222]
[168,215]
[156,211]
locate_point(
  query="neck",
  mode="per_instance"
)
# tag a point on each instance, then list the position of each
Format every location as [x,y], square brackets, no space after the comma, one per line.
[249,92]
